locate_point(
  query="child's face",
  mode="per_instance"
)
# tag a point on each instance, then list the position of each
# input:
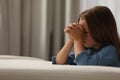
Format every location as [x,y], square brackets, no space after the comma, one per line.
[88,40]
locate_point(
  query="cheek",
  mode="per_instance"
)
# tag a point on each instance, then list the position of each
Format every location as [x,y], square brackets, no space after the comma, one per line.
[88,39]
[88,42]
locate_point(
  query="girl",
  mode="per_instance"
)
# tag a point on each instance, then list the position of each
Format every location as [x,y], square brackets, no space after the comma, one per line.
[94,38]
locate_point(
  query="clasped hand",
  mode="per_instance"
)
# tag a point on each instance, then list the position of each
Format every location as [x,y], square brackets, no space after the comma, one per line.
[74,31]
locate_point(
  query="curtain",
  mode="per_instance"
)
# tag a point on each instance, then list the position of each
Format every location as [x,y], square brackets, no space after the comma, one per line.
[35,28]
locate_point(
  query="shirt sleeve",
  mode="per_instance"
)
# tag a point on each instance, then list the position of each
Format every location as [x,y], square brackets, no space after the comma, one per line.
[54,60]
[104,57]
[69,60]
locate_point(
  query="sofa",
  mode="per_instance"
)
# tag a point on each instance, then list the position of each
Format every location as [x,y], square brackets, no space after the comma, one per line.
[29,68]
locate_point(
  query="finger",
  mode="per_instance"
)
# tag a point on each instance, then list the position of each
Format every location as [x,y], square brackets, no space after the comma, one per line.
[80,27]
[74,24]
[70,26]
[67,29]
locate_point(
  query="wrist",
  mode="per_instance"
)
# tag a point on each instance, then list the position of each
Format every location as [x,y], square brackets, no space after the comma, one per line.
[79,44]
[71,40]
[78,41]
[78,47]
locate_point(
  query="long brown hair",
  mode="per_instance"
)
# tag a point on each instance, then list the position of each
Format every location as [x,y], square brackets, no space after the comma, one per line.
[102,26]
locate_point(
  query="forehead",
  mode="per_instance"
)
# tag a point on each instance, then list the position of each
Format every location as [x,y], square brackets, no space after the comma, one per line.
[83,22]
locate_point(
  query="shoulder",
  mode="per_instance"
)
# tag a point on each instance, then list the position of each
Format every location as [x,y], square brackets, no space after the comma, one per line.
[109,49]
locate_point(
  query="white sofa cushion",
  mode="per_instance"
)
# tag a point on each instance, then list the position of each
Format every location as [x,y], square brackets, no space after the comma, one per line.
[28,68]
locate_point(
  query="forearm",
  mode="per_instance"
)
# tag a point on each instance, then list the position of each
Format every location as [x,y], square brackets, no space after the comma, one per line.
[62,55]
[78,47]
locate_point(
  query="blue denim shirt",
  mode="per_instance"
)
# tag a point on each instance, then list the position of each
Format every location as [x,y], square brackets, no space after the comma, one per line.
[105,56]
